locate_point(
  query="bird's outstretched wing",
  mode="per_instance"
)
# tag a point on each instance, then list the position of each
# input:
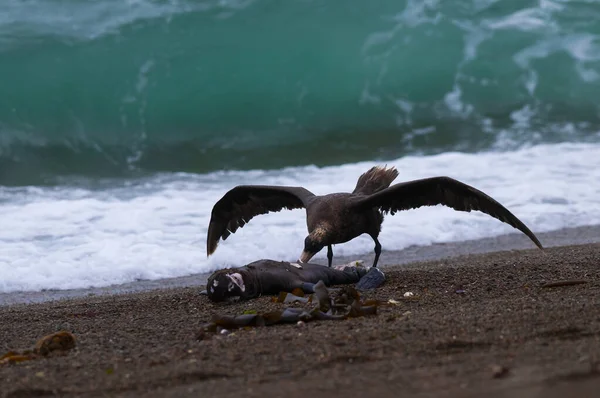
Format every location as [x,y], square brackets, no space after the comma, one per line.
[243,202]
[441,191]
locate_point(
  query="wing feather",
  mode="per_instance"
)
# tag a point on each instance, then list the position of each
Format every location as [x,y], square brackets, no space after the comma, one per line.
[442,191]
[240,204]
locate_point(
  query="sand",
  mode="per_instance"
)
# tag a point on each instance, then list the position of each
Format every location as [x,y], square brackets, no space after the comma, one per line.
[477,324]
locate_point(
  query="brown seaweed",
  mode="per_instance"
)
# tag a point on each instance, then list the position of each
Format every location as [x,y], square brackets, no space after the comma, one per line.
[345,303]
[285,297]
[563,283]
[56,342]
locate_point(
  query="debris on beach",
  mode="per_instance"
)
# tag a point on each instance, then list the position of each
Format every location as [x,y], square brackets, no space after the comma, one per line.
[499,371]
[563,283]
[56,342]
[59,341]
[343,304]
[296,295]
[371,280]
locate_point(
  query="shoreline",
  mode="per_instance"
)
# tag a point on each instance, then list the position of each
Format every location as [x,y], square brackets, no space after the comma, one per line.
[413,254]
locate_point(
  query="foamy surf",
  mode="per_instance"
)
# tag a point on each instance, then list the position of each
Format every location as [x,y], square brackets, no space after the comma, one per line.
[70,237]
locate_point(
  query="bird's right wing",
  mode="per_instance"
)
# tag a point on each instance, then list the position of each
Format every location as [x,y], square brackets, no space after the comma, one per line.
[243,202]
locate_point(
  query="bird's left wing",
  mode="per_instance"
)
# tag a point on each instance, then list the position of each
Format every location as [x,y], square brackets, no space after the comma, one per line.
[441,191]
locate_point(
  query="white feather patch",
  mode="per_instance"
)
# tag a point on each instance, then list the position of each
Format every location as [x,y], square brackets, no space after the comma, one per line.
[237,279]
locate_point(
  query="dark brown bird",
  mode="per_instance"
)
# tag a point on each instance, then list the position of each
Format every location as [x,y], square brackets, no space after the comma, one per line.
[340,217]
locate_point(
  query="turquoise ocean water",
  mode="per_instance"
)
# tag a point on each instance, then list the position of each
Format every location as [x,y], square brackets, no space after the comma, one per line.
[113,87]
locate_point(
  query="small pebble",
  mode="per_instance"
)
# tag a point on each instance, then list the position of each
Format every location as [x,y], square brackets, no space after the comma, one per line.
[409,294]
[499,371]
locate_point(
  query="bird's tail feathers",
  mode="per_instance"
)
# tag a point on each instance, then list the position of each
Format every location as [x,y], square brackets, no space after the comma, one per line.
[375,179]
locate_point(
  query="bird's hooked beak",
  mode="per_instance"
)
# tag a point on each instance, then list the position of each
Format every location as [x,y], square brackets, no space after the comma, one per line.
[305,257]
[313,244]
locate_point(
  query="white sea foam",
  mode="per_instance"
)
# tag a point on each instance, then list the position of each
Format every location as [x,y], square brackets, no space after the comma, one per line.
[67,237]
[88,20]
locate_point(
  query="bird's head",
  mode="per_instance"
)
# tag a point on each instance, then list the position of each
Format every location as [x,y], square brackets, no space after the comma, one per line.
[313,244]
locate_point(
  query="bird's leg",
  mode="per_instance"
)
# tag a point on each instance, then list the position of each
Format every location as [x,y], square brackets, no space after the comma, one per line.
[329,255]
[377,251]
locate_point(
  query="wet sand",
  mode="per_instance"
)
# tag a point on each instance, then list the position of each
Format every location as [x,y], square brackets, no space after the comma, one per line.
[477,324]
